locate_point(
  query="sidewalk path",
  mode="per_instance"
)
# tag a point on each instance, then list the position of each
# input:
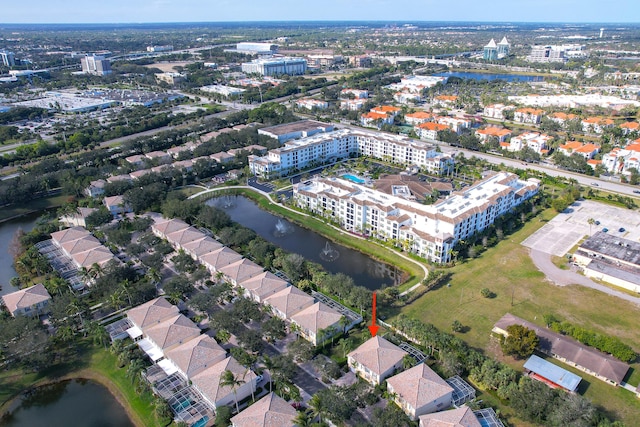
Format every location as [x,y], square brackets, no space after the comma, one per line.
[268,196]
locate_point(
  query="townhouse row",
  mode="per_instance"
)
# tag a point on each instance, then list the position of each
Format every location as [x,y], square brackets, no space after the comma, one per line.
[176,345]
[430,231]
[314,320]
[331,146]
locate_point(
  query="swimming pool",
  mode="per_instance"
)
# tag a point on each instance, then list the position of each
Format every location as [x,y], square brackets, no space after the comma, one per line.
[354,178]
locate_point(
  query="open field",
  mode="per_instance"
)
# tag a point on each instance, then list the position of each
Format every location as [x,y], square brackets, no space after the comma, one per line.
[522,290]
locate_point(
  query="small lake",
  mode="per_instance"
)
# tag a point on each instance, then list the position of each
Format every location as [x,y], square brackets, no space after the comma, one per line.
[489,76]
[7,231]
[335,258]
[77,403]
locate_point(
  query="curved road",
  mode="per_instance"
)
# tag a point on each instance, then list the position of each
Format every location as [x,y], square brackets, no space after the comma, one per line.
[561,277]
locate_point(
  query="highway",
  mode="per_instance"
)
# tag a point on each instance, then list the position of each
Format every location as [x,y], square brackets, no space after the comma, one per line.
[613,186]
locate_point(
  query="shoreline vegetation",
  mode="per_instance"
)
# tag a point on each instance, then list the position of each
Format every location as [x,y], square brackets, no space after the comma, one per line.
[90,363]
[413,268]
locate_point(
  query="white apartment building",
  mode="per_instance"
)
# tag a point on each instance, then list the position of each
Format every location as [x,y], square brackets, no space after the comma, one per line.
[352,104]
[456,124]
[534,140]
[275,66]
[496,111]
[310,104]
[357,93]
[343,143]
[97,65]
[416,84]
[430,231]
[621,160]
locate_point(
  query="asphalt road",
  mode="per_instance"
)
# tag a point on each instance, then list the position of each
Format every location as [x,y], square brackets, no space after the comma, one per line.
[588,181]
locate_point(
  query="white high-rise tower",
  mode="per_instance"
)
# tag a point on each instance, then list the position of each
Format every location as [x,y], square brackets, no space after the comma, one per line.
[601,32]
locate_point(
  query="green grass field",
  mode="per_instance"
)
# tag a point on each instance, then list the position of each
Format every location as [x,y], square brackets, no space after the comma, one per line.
[522,290]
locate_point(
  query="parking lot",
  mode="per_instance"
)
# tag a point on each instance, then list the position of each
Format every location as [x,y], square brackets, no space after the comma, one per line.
[566,229]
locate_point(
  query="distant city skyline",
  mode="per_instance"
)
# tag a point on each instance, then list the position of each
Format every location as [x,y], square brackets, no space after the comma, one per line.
[149,11]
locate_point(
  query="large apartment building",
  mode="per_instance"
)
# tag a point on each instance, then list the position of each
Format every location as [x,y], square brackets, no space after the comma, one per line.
[430,231]
[331,146]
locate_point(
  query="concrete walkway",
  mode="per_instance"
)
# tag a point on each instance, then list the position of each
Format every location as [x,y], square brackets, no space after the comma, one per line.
[561,277]
[268,196]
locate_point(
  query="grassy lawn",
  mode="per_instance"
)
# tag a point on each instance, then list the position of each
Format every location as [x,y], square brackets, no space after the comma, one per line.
[32,206]
[319,226]
[522,290]
[91,363]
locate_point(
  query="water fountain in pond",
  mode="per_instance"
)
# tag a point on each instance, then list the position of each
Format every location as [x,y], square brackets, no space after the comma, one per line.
[282,228]
[329,254]
[227,202]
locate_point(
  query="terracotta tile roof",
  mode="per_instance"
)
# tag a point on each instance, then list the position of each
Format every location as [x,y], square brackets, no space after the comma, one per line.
[450,98]
[264,284]
[208,380]
[316,317]
[461,417]
[152,312]
[419,115]
[270,411]
[378,355]
[203,246]
[419,386]
[220,258]
[433,126]
[374,116]
[25,297]
[532,111]
[69,234]
[386,109]
[494,131]
[197,354]
[241,270]
[168,226]
[186,235]
[172,331]
[289,301]
[630,125]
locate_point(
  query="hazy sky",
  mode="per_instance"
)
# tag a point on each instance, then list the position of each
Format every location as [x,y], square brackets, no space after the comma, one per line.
[121,11]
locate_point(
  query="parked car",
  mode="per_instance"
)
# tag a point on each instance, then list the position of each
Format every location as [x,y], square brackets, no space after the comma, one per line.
[636,191]
[621,230]
[597,223]
[595,184]
[604,230]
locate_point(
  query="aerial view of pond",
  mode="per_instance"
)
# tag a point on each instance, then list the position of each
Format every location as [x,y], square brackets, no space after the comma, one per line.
[67,403]
[489,76]
[7,231]
[334,258]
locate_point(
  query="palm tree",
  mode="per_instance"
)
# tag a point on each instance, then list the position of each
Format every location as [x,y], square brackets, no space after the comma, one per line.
[303,419]
[115,300]
[344,322]
[154,275]
[124,286]
[590,221]
[270,366]
[408,362]
[317,406]
[135,367]
[228,379]
[345,346]
[98,333]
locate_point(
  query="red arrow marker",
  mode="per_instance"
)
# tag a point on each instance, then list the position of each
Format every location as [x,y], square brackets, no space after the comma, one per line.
[373,328]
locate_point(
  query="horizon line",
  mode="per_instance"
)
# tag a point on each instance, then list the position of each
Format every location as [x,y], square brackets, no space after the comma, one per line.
[406,21]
